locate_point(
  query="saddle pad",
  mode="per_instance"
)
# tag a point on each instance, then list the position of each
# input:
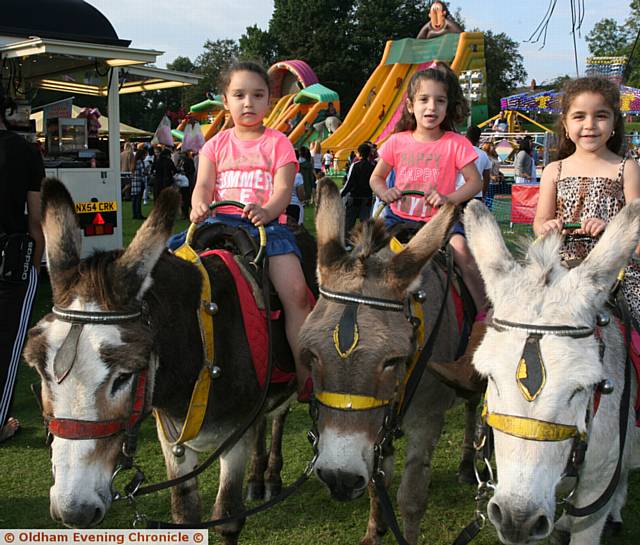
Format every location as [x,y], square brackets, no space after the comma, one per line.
[634,353]
[396,247]
[635,358]
[458,305]
[255,325]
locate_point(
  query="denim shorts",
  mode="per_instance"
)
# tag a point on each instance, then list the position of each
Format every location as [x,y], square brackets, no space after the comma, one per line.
[280,239]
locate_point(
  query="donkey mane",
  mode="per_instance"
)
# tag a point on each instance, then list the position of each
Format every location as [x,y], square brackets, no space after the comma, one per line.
[543,259]
[92,282]
[367,239]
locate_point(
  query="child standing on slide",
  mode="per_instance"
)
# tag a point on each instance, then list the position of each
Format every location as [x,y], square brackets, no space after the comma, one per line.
[426,154]
[256,165]
[590,182]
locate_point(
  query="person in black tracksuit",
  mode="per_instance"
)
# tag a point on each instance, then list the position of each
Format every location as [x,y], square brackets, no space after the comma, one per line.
[357,188]
[21,173]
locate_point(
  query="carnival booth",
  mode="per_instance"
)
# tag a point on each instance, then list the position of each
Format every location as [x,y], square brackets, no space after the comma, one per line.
[69,46]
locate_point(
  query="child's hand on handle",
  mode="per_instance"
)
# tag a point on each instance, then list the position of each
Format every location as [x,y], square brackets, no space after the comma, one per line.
[550,226]
[199,212]
[390,195]
[435,199]
[256,214]
[592,227]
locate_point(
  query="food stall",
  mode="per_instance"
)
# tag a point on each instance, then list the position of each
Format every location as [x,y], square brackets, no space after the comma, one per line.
[42,56]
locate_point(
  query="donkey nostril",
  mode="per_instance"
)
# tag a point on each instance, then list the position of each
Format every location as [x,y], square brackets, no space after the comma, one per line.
[358,482]
[495,513]
[327,477]
[541,527]
[97,516]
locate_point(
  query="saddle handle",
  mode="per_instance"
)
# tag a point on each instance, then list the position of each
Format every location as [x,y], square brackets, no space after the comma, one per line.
[406,193]
[262,250]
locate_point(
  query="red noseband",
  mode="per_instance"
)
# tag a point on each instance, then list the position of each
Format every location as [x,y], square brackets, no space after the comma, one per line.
[70,428]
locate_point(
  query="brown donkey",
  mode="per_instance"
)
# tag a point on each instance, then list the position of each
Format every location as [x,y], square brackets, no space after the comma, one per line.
[358,352]
[120,316]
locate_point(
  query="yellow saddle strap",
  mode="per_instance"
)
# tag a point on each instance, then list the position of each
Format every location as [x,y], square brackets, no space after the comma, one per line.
[200,395]
[416,310]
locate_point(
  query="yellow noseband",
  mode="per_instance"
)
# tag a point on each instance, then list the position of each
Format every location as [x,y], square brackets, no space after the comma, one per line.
[350,402]
[530,428]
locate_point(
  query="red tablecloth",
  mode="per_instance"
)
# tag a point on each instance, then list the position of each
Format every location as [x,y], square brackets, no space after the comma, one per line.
[524,199]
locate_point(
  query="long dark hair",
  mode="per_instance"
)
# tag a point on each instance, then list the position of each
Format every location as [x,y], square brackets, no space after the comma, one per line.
[609,92]
[243,66]
[457,106]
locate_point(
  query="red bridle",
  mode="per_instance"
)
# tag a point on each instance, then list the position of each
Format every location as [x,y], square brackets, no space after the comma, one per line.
[71,428]
[75,429]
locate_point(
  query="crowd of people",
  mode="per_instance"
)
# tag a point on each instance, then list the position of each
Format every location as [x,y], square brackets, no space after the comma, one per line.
[146,170]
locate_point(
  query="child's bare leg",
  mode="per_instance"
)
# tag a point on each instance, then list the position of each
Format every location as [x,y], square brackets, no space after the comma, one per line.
[469,270]
[286,275]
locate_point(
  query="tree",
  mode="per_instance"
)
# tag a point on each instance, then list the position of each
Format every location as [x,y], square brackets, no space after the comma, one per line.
[505,68]
[632,23]
[318,33]
[144,110]
[391,19]
[343,40]
[183,97]
[258,44]
[607,38]
[216,57]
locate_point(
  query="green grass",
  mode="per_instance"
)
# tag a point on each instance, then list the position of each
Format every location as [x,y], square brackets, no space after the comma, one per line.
[309,517]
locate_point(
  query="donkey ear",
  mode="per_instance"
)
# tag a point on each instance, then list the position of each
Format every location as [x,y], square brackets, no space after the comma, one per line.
[405,266]
[139,259]
[329,226]
[612,252]
[487,246]
[61,232]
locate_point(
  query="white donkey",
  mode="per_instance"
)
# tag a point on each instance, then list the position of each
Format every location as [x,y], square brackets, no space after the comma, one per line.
[543,371]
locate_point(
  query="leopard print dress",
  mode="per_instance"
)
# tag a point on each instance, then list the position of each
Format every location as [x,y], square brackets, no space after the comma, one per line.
[581,197]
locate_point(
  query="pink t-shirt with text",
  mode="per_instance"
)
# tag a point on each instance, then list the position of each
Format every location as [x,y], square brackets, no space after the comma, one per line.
[246,169]
[424,166]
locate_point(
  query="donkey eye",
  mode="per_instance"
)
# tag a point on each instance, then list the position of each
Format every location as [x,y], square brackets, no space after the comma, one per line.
[577,391]
[393,362]
[120,381]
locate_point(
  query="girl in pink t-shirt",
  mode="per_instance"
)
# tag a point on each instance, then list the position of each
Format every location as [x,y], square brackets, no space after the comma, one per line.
[426,154]
[256,165]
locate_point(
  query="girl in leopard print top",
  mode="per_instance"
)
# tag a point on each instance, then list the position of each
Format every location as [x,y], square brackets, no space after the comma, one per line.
[590,182]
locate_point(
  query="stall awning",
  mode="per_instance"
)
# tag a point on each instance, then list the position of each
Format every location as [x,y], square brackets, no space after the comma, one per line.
[83,68]
[125,130]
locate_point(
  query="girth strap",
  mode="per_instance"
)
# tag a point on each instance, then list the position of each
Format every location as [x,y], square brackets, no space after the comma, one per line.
[200,395]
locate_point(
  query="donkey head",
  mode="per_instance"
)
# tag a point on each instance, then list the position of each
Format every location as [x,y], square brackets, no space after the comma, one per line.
[358,352]
[89,370]
[540,386]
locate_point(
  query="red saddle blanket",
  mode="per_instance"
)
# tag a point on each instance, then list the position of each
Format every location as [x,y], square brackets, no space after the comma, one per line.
[635,359]
[634,355]
[254,319]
